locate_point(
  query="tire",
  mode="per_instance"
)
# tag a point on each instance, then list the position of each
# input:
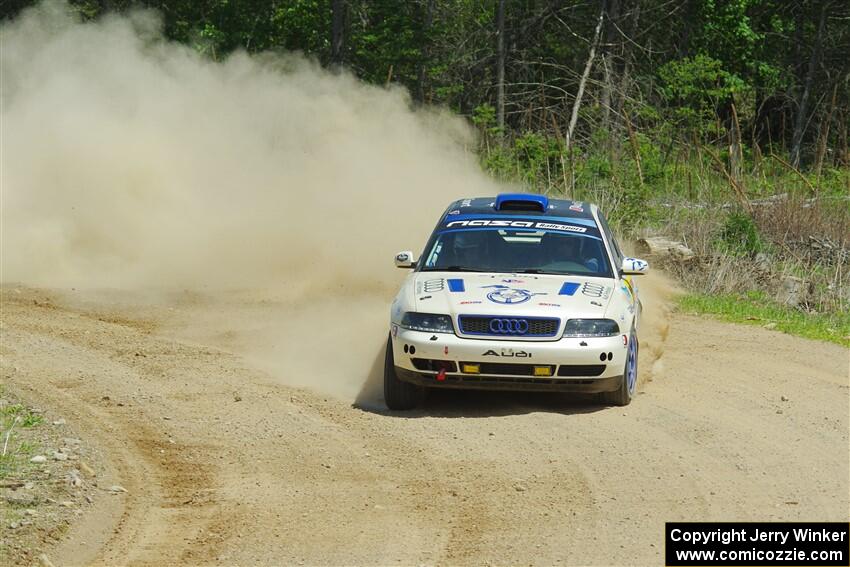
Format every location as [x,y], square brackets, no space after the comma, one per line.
[623,395]
[398,395]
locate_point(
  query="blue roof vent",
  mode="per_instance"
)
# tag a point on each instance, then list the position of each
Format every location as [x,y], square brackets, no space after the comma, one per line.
[521,202]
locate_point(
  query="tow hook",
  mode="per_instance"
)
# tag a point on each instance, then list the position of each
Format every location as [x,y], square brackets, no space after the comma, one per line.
[441,375]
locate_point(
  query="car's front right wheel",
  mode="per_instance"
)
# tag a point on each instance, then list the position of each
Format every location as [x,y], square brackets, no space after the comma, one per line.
[398,395]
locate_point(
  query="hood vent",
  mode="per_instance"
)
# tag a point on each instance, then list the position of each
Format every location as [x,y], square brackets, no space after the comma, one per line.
[521,202]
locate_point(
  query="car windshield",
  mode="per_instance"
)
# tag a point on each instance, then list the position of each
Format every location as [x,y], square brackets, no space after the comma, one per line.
[517,251]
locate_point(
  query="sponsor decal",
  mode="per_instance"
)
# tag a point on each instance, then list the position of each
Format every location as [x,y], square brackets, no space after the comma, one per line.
[569,288]
[513,281]
[637,265]
[627,288]
[509,295]
[455,285]
[562,227]
[466,203]
[454,212]
[576,207]
[468,302]
[508,353]
[517,224]
[394,330]
[543,304]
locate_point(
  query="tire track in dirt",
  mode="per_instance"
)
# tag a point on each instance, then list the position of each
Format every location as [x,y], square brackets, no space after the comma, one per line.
[470,497]
[80,370]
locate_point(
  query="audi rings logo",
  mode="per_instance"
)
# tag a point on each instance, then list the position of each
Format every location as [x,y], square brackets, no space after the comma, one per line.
[509,326]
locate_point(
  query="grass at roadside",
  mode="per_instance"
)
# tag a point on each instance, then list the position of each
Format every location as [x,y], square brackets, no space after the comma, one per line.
[38,500]
[755,308]
[15,450]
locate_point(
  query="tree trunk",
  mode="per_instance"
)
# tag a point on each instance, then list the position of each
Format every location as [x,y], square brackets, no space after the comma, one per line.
[690,19]
[844,155]
[607,88]
[803,103]
[583,82]
[823,136]
[736,155]
[613,13]
[625,65]
[425,55]
[500,64]
[337,31]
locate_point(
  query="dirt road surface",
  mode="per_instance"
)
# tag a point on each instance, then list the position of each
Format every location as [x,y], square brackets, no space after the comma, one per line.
[226,464]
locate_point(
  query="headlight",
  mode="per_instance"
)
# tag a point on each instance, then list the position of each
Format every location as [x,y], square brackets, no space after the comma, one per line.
[591,328]
[427,322]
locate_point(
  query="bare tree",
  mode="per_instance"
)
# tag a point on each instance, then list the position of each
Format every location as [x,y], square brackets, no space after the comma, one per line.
[583,82]
[500,64]
[613,15]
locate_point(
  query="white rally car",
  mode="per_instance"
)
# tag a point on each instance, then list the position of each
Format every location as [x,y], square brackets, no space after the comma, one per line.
[516,292]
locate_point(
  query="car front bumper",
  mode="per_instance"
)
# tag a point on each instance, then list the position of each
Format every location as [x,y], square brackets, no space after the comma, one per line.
[592,364]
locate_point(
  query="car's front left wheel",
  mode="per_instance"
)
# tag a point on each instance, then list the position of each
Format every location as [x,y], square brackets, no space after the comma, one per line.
[397,394]
[622,396]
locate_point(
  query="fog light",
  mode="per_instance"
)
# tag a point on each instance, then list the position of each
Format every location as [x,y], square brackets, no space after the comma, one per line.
[470,368]
[542,370]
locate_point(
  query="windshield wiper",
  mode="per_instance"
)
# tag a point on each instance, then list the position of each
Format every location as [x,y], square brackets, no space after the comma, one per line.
[526,271]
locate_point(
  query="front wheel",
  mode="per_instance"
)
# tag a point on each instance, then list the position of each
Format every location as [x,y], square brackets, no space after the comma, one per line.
[397,394]
[622,396]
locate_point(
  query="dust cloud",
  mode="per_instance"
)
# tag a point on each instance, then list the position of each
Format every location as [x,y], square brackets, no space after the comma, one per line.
[130,162]
[656,293]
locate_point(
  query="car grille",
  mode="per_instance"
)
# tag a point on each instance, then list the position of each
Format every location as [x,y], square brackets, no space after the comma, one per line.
[509,326]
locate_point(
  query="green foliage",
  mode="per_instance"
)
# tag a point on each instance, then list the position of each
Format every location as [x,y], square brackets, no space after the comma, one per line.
[739,235]
[499,161]
[21,415]
[755,308]
[484,116]
[697,86]
[13,419]
[532,159]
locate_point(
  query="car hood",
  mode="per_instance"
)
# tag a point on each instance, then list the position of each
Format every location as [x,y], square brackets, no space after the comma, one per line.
[458,293]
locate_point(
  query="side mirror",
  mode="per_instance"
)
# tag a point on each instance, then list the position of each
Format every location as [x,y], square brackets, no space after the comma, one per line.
[405,260]
[634,267]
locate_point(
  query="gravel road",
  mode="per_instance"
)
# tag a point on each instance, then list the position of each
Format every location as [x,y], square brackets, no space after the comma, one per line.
[225,462]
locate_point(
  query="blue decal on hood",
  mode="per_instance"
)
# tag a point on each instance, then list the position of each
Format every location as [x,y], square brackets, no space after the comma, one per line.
[509,295]
[568,288]
[455,285]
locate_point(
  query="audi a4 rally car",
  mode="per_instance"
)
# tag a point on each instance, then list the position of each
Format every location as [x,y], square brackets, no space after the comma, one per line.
[516,292]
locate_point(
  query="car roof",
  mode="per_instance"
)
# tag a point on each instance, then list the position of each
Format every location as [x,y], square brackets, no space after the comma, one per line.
[551,208]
